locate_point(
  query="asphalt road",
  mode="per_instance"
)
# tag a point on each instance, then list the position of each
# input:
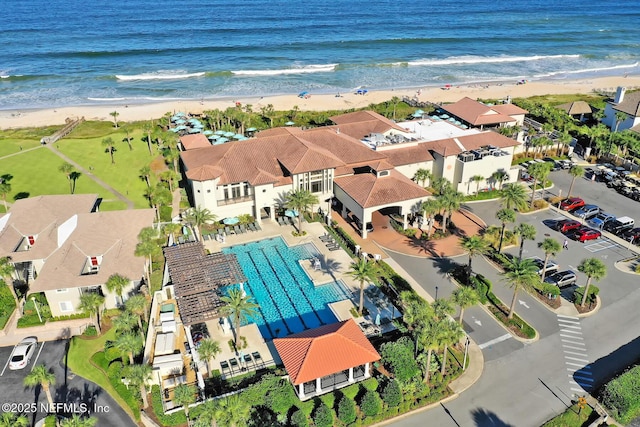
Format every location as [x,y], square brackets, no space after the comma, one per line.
[69,388]
[527,384]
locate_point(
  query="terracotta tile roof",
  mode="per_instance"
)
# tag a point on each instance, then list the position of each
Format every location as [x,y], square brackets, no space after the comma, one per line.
[40,217]
[381,165]
[482,139]
[367,190]
[111,235]
[630,104]
[408,155]
[324,351]
[509,109]
[477,113]
[444,147]
[362,123]
[576,107]
[198,140]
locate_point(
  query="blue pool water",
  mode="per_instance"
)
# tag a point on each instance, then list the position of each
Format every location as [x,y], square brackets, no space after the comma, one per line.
[288,300]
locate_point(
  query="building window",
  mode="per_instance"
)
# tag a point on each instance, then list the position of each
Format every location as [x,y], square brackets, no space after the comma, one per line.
[65,306]
[208,191]
[235,192]
[62,291]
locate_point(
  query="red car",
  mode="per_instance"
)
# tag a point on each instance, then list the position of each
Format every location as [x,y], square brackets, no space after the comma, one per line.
[586,233]
[571,204]
[567,225]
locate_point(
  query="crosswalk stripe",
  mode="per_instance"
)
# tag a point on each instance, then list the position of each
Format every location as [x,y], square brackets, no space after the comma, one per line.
[572,347]
[574,364]
[582,378]
[569,331]
[571,336]
[572,326]
[562,316]
[575,358]
[576,353]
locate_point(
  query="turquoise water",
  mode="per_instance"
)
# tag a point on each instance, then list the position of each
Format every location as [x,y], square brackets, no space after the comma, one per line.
[57,53]
[288,300]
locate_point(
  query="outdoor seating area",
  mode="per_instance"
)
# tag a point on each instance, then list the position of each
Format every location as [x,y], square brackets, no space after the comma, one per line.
[243,363]
[220,234]
[330,242]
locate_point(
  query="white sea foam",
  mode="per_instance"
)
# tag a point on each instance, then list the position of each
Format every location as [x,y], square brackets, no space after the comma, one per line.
[485,59]
[159,76]
[105,99]
[324,68]
[589,70]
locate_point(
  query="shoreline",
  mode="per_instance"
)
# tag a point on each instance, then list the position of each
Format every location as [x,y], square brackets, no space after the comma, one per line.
[39,117]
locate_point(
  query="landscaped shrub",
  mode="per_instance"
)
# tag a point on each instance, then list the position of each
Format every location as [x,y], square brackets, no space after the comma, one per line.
[492,235]
[391,394]
[481,288]
[540,204]
[621,396]
[399,357]
[165,213]
[323,416]
[351,391]
[299,419]
[281,398]
[346,410]
[591,297]
[7,303]
[370,383]
[175,419]
[371,404]
[90,331]
[549,290]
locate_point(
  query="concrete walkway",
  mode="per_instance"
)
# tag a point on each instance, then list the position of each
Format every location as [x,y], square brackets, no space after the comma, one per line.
[97,180]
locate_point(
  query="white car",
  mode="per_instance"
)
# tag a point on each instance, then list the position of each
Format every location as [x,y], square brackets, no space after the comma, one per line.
[22,353]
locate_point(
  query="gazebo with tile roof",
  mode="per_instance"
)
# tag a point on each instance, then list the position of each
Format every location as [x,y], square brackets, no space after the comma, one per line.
[326,358]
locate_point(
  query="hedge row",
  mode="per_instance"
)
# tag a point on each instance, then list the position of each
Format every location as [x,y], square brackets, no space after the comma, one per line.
[621,396]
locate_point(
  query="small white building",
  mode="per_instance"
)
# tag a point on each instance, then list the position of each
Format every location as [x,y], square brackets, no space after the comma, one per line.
[627,103]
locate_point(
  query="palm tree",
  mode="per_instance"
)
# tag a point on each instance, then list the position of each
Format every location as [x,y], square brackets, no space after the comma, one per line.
[41,376]
[184,395]
[526,232]
[300,200]
[441,185]
[621,116]
[126,322]
[474,245]
[594,269]
[197,217]
[145,173]
[110,148]
[138,376]
[5,189]
[9,419]
[563,140]
[90,302]
[450,333]
[147,247]
[575,171]
[505,216]
[137,304]
[450,202]
[127,138]
[430,208]
[207,350]
[395,101]
[363,271]
[520,274]
[74,176]
[171,229]
[239,306]
[67,168]
[115,115]
[129,344]
[268,112]
[477,179]
[539,172]
[464,297]
[6,273]
[427,337]
[423,175]
[78,421]
[116,283]
[514,196]
[148,129]
[550,247]
[500,176]
[235,411]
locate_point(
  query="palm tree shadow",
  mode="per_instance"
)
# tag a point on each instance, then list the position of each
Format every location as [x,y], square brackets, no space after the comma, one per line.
[329,265]
[423,246]
[483,417]
[445,265]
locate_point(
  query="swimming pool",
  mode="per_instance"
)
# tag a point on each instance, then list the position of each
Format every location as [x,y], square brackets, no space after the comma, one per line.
[288,300]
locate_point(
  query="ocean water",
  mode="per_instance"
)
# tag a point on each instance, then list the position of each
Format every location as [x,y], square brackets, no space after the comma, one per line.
[57,53]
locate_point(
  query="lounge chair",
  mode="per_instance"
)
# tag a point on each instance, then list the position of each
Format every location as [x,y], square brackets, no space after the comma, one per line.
[234,363]
[335,248]
[251,227]
[237,229]
[247,358]
[280,220]
[181,239]
[326,237]
[257,358]
[220,231]
[205,236]
[257,226]
[243,229]
[228,230]
[224,365]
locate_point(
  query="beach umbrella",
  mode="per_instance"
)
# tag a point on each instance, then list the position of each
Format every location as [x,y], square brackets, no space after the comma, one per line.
[244,138]
[417,115]
[251,129]
[230,221]
[220,132]
[194,130]
[419,112]
[229,134]
[208,132]
[181,121]
[238,136]
[291,213]
[289,123]
[174,130]
[221,141]
[213,136]
[181,127]
[180,114]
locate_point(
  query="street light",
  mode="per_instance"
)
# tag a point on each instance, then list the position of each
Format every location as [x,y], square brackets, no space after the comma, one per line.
[436,292]
[35,304]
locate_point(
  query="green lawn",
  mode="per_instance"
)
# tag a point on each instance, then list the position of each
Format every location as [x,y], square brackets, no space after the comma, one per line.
[570,418]
[12,139]
[79,361]
[36,173]
[124,175]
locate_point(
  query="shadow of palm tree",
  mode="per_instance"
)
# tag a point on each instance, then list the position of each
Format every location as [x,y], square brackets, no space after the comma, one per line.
[329,265]
[423,246]
[445,265]
[482,417]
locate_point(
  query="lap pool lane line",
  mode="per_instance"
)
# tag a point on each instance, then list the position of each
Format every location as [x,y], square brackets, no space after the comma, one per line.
[575,354]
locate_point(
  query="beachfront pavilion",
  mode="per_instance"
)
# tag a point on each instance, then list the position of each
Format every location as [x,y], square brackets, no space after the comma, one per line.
[478,115]
[254,176]
[326,358]
[61,246]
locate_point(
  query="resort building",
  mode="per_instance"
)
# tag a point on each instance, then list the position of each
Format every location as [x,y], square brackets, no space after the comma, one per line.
[627,103]
[62,246]
[327,358]
[579,110]
[362,164]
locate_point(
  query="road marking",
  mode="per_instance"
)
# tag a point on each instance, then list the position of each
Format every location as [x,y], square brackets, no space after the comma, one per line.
[569,331]
[570,326]
[581,375]
[495,341]
[572,347]
[576,358]
[575,364]
[576,353]
[562,316]
[573,342]
[578,390]
[523,303]
[572,370]
[5,366]
[582,378]
[37,356]
[573,337]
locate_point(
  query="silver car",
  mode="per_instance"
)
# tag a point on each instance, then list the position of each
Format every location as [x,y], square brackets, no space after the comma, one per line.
[587,211]
[22,353]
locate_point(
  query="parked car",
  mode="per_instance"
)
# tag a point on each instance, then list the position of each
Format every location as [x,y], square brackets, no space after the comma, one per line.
[571,204]
[22,353]
[359,225]
[585,233]
[566,225]
[587,211]
[552,266]
[600,220]
[565,164]
[562,279]
[554,165]
[620,225]
[632,235]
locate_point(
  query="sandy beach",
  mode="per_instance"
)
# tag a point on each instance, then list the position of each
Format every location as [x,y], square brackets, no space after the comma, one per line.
[316,102]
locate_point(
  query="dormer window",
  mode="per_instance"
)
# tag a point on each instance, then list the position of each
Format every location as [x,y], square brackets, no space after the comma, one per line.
[92,265]
[31,240]
[25,243]
[383,173]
